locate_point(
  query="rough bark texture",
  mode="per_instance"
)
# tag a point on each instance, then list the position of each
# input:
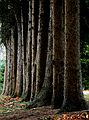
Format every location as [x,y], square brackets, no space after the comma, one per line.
[42,43]
[35,13]
[12,62]
[5,85]
[19,79]
[73,94]
[58,53]
[24,42]
[15,61]
[29,57]
[8,70]
[45,95]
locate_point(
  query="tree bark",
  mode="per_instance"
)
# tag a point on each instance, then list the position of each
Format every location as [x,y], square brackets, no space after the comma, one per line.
[45,95]
[58,53]
[29,55]
[25,8]
[11,67]
[35,13]
[73,93]
[19,79]
[42,43]
[7,78]
[5,85]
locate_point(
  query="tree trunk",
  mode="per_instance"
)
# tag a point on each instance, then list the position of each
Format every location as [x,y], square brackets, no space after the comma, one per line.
[24,42]
[35,13]
[58,53]
[15,59]
[6,71]
[42,43]
[7,78]
[73,93]
[45,95]
[19,80]
[28,57]
[11,63]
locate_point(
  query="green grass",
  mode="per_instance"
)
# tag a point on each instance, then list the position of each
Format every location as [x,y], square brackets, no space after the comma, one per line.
[86,97]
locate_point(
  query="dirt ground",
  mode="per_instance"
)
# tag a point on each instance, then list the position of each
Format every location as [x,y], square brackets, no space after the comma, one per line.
[44,113]
[14,109]
[40,113]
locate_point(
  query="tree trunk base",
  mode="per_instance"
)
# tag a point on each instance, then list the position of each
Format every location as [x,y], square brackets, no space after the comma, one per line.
[42,99]
[69,106]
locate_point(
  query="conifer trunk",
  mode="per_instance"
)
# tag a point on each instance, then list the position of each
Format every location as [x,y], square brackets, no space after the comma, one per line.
[58,53]
[35,13]
[19,79]
[73,93]
[42,43]
[29,55]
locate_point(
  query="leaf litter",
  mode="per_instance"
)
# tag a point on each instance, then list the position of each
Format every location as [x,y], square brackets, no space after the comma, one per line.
[14,109]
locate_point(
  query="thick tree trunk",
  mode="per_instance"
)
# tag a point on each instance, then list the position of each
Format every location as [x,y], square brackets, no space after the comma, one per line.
[58,53]
[42,43]
[7,78]
[35,13]
[10,74]
[73,93]
[28,56]
[6,71]
[11,67]
[45,95]
[19,80]
[24,42]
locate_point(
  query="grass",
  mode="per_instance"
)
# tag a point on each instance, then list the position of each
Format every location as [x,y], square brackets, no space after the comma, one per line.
[86,97]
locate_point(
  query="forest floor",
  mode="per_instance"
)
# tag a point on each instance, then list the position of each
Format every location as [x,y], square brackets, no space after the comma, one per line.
[14,109]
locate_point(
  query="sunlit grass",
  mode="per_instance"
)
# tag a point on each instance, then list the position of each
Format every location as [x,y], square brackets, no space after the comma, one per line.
[86,97]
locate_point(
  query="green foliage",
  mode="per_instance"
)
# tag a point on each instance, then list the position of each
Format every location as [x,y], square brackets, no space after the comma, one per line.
[84,36]
[85,66]
[2,68]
